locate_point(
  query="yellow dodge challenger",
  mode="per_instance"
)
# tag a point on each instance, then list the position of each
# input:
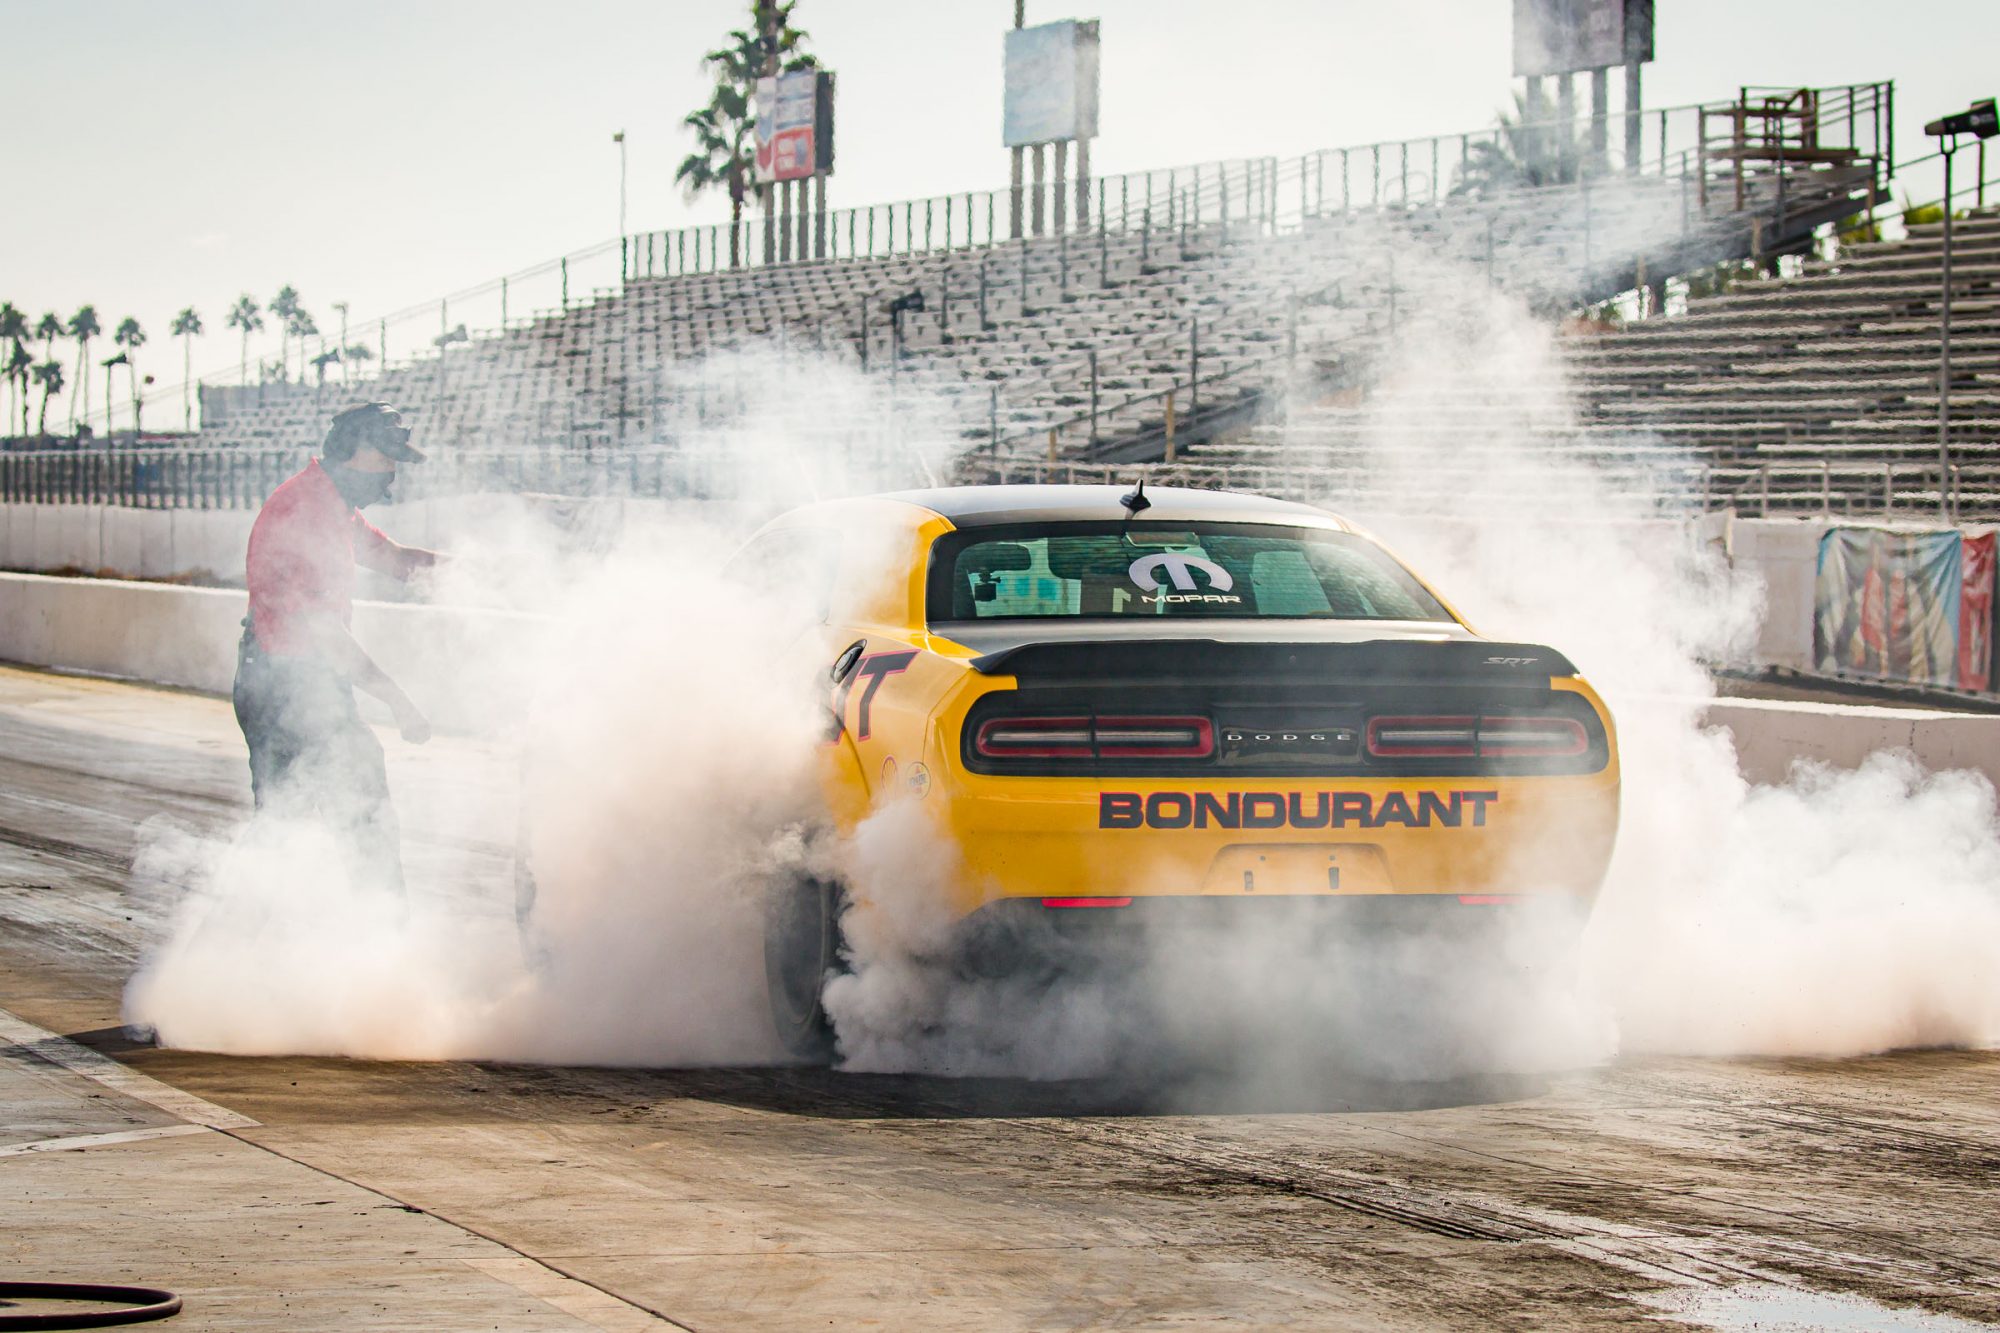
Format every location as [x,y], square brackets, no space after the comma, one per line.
[1170,708]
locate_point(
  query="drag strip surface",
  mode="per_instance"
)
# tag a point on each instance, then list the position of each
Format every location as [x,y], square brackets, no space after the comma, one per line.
[469,1195]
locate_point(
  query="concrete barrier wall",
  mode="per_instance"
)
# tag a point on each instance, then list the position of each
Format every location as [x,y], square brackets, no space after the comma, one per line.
[465,668]
[460,665]
[144,631]
[208,544]
[1772,734]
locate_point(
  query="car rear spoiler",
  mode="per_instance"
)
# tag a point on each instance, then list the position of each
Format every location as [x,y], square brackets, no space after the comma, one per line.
[1450,661]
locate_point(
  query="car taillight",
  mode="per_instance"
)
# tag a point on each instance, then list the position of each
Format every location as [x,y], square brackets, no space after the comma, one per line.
[1532,737]
[1155,737]
[1087,738]
[1476,737]
[1423,737]
[1035,738]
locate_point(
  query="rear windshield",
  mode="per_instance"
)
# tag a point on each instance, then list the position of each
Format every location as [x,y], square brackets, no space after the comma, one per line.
[1105,570]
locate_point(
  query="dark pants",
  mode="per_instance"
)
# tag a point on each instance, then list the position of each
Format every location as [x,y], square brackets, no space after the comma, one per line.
[311,754]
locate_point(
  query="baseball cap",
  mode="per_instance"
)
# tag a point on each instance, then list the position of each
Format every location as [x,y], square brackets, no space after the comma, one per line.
[377,424]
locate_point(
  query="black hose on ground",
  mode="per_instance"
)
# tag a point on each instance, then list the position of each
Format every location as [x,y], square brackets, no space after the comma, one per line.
[136,1305]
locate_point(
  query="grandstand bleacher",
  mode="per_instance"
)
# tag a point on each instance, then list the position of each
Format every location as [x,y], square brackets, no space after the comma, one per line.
[1812,392]
[1225,336]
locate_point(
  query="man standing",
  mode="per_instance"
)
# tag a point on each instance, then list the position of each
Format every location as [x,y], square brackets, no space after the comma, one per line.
[298,665]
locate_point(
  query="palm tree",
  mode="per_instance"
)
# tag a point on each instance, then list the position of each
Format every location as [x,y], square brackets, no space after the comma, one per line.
[130,337]
[245,315]
[187,325]
[110,363]
[83,326]
[300,325]
[48,331]
[725,129]
[285,305]
[723,157]
[1520,155]
[49,375]
[19,364]
[15,329]
[353,353]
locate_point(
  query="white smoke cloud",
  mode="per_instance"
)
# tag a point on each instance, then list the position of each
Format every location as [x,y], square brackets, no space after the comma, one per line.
[652,726]
[669,781]
[668,753]
[1838,914]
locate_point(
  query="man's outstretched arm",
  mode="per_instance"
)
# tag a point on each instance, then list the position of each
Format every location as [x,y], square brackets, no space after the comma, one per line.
[341,649]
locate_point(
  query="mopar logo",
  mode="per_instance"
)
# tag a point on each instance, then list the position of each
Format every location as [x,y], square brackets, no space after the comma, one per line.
[1179,571]
[1301,810]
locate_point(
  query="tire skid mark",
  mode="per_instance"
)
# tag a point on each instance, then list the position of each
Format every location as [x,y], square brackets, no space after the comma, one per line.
[229,807]
[1724,1256]
[61,848]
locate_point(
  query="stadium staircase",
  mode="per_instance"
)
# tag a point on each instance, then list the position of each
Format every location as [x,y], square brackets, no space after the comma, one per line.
[1808,393]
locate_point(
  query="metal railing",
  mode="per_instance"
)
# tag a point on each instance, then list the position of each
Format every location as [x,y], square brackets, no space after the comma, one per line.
[241,478]
[1269,192]
[165,478]
[1786,131]
[1258,194]
[416,336]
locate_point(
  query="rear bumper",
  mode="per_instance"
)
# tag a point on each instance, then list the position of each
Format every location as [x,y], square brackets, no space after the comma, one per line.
[1018,933]
[1060,837]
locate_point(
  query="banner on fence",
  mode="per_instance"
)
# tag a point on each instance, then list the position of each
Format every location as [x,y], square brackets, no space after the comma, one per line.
[1914,607]
[1977,553]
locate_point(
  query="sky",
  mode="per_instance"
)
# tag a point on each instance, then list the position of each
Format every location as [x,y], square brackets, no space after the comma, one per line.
[383,154]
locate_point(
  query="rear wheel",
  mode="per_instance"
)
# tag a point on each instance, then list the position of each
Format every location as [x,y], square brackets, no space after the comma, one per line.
[801,950]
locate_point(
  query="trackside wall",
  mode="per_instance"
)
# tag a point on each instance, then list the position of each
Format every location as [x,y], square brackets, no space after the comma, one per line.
[461,665]
[464,667]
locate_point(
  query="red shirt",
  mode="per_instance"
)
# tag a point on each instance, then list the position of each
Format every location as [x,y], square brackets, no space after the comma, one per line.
[303,549]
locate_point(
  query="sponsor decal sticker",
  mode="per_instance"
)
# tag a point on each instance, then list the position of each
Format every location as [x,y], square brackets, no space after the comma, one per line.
[1179,570]
[869,674]
[1299,810]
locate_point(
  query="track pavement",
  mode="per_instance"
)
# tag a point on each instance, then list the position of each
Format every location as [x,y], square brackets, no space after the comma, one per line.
[310,1192]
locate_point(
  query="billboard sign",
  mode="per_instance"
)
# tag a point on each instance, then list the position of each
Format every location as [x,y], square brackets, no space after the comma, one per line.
[1051,83]
[794,129]
[1564,36]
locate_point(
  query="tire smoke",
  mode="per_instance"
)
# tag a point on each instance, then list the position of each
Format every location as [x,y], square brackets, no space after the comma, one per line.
[1839,913]
[669,779]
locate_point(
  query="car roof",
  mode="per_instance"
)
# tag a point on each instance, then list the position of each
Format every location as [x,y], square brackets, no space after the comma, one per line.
[985,506]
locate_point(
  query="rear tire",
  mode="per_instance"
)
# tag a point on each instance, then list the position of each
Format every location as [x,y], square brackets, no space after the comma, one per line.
[801,951]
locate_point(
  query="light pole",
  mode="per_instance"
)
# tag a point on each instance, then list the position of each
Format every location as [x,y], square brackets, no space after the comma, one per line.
[619,139]
[1980,119]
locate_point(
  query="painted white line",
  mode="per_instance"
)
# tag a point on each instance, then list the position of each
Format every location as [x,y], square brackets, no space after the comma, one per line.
[80,1059]
[78,1142]
[580,1300]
